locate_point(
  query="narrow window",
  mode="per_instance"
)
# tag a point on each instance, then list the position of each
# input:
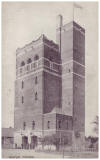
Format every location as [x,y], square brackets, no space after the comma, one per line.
[36,96]
[28,67]
[59,124]
[24,125]
[36,80]
[67,124]
[48,125]
[22,84]
[69,70]
[22,99]
[33,125]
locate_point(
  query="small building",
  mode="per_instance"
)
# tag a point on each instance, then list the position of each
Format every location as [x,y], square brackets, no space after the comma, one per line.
[7,138]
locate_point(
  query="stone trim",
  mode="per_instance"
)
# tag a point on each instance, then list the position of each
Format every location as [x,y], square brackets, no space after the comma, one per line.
[52,73]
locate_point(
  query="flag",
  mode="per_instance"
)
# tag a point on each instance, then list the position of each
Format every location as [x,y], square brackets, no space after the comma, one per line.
[77,6]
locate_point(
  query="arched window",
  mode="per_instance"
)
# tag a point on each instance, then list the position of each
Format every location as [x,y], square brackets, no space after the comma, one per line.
[22,63]
[36,57]
[36,96]
[29,61]
[33,125]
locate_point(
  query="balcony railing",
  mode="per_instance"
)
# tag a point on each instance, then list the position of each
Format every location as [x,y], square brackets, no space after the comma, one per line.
[41,63]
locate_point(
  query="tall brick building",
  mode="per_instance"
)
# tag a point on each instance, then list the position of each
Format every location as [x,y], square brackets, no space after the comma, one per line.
[50,88]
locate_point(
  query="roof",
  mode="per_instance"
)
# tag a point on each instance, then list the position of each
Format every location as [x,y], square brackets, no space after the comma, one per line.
[74,24]
[8,132]
[43,39]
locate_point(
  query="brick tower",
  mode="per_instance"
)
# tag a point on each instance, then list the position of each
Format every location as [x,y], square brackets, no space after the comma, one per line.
[50,88]
[71,40]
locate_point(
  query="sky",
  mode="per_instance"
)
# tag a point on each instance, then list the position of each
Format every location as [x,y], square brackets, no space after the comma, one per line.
[23,22]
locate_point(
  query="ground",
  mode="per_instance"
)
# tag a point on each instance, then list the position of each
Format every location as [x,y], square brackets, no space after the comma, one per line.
[18,153]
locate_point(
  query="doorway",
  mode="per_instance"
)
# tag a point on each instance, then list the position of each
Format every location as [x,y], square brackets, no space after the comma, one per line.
[25,144]
[33,142]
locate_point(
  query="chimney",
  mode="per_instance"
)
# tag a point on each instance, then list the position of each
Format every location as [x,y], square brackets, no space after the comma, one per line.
[59,25]
[59,21]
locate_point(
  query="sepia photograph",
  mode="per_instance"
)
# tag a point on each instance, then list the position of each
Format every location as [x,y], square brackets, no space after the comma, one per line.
[49,79]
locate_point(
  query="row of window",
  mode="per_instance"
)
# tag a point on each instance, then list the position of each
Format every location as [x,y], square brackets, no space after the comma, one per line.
[48,125]
[33,125]
[29,60]
[36,81]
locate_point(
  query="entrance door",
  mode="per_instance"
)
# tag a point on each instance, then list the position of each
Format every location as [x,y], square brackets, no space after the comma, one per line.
[33,142]
[25,142]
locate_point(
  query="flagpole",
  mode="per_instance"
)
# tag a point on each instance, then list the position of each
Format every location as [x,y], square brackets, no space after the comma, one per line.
[75,5]
[73,11]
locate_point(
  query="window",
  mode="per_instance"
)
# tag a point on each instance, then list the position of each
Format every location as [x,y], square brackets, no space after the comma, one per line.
[36,57]
[24,125]
[48,125]
[69,70]
[22,63]
[2,140]
[36,80]
[59,124]
[22,99]
[22,84]
[29,61]
[33,125]
[36,96]
[67,124]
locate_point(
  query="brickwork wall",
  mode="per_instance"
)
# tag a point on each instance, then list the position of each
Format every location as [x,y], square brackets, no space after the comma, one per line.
[67,94]
[77,68]
[51,54]
[25,112]
[79,103]
[66,42]
[79,82]
[52,91]
[79,44]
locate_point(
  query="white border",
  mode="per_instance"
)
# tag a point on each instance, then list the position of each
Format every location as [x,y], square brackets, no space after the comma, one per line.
[1,51]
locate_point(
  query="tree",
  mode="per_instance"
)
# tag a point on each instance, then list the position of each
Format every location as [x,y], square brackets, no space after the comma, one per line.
[96,123]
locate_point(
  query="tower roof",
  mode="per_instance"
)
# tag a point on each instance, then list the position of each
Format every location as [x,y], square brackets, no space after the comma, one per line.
[74,24]
[41,39]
